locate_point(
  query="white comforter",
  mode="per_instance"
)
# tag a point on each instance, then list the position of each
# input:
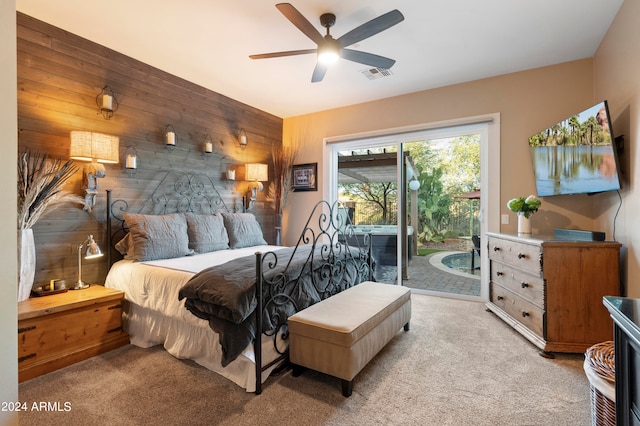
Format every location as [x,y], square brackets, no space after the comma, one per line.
[154,315]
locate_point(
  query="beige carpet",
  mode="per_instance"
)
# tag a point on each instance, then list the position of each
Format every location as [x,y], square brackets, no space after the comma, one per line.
[459,365]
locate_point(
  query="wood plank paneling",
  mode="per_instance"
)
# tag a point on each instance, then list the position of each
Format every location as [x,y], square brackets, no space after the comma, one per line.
[59,76]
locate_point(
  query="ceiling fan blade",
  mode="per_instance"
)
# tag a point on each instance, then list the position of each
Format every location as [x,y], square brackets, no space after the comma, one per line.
[280,54]
[297,19]
[367,58]
[318,72]
[371,28]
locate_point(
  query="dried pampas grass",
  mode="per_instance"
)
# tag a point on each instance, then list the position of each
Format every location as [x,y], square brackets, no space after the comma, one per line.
[283,159]
[40,183]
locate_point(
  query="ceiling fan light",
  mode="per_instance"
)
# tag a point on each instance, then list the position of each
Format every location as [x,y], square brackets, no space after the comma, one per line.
[327,57]
[328,54]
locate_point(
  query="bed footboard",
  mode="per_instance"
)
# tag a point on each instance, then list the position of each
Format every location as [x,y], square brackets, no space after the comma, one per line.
[334,259]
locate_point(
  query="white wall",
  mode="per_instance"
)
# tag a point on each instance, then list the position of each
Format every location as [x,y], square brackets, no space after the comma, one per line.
[527,101]
[617,79]
[8,175]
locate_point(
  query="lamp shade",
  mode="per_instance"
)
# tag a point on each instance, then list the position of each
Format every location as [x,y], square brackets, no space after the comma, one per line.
[257,172]
[93,249]
[90,146]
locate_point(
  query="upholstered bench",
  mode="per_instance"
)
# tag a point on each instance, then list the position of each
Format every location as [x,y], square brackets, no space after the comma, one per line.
[340,335]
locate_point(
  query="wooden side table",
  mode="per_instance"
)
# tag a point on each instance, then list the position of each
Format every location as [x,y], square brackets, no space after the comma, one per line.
[61,329]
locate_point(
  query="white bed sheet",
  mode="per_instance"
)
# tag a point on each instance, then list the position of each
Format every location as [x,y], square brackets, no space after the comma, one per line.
[154,315]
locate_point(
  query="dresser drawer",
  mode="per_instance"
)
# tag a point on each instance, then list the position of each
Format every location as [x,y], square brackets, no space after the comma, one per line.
[526,285]
[521,310]
[527,257]
[68,332]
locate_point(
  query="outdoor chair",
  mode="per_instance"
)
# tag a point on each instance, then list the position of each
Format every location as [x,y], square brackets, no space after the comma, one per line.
[476,249]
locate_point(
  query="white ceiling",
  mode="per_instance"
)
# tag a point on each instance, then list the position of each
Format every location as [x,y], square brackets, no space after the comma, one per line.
[440,42]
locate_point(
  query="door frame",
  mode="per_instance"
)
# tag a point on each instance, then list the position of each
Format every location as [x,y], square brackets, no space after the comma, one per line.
[488,126]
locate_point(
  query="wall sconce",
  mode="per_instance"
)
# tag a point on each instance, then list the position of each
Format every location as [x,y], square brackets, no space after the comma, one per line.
[170,137]
[231,174]
[208,144]
[99,149]
[242,138]
[131,160]
[256,173]
[107,103]
[93,251]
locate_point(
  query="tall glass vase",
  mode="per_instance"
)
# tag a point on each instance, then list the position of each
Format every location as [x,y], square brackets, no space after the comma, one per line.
[278,229]
[524,224]
[26,263]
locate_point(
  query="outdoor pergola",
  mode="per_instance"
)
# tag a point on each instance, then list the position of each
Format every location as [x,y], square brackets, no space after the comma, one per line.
[383,167]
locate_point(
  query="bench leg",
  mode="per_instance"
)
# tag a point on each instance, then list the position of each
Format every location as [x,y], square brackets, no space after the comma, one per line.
[296,370]
[406,327]
[347,388]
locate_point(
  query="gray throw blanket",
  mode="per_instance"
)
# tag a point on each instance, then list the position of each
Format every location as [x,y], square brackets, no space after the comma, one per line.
[225,295]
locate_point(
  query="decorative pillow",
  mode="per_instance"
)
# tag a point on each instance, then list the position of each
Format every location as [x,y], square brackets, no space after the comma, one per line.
[243,230]
[157,237]
[125,246]
[206,232]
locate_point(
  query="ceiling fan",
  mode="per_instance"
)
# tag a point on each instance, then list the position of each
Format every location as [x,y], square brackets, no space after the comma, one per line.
[330,49]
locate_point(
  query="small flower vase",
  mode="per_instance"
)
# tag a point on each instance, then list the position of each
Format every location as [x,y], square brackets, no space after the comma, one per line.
[524,224]
[26,263]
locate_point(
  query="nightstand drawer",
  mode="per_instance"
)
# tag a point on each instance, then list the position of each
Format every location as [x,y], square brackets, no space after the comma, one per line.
[60,334]
[59,330]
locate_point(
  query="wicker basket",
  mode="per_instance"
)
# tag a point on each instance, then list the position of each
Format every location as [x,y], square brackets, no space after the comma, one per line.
[599,366]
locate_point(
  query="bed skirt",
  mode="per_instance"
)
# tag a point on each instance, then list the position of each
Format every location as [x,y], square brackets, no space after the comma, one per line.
[197,342]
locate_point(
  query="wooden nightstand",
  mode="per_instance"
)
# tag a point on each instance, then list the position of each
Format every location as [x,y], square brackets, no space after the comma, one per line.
[61,329]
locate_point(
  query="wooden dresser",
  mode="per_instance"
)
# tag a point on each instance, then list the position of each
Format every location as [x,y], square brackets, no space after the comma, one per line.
[551,291]
[61,329]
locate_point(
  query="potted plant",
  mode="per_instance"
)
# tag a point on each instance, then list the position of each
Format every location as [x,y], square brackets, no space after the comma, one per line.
[524,207]
[40,190]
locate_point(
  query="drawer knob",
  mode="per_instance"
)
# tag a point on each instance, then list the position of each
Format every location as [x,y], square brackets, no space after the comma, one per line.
[525,313]
[524,285]
[499,273]
[500,298]
[521,255]
[496,248]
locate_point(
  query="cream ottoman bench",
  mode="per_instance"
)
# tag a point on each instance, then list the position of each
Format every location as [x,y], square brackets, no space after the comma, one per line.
[340,335]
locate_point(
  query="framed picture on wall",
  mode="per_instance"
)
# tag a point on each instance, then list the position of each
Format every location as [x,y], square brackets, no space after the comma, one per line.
[305,177]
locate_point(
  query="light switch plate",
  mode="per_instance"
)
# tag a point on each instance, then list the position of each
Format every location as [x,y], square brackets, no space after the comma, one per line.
[505,219]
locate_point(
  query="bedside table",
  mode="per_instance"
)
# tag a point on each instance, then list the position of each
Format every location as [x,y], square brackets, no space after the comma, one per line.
[61,329]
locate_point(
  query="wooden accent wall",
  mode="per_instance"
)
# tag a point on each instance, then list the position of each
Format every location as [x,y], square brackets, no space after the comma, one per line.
[59,77]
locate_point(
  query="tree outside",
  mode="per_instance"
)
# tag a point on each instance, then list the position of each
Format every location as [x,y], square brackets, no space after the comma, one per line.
[447,168]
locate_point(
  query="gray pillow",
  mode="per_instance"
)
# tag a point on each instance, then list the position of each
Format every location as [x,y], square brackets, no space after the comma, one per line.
[206,232]
[157,237]
[243,230]
[125,246]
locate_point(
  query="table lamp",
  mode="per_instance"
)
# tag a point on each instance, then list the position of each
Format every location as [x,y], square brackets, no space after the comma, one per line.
[92,251]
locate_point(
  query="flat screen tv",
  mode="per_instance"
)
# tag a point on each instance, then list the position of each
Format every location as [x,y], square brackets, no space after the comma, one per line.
[576,155]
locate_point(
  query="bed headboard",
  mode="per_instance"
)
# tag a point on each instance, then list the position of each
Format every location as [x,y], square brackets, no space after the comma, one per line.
[178,191]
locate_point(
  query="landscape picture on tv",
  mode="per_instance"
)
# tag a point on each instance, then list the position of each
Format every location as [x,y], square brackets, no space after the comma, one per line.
[576,155]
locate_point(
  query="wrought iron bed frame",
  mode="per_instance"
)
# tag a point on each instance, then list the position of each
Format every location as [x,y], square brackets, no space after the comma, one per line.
[332,235]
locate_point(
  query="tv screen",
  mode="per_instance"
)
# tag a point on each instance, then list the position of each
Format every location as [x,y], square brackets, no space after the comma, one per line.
[576,155]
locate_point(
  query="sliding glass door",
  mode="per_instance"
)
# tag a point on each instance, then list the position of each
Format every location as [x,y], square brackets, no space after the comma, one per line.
[418,193]
[368,190]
